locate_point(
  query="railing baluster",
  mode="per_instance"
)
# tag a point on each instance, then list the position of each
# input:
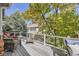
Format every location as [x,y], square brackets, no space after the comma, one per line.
[44,39]
[55,41]
[61,42]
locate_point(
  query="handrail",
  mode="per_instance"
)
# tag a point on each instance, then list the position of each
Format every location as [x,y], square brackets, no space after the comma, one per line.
[55,47]
[57,41]
[52,36]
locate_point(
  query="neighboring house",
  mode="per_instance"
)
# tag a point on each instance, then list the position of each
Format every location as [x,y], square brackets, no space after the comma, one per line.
[32,28]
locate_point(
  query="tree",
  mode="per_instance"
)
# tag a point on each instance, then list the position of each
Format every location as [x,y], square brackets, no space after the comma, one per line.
[15,21]
[63,24]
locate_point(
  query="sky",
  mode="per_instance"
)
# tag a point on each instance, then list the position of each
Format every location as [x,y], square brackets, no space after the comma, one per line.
[16,6]
[28,22]
[24,6]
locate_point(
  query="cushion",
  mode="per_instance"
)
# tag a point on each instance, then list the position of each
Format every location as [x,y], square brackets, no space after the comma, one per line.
[72,42]
[74,45]
[75,49]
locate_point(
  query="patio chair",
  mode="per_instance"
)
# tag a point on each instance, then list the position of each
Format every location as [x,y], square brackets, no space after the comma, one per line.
[72,46]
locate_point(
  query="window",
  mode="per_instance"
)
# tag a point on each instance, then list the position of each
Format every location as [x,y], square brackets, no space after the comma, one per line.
[33,29]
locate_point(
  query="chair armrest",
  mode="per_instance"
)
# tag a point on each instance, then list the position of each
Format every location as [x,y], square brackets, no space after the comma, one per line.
[69,50]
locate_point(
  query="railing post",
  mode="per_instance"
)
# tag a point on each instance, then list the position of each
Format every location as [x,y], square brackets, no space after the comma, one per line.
[44,39]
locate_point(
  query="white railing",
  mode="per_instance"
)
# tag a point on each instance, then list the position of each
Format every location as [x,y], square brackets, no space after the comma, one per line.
[49,39]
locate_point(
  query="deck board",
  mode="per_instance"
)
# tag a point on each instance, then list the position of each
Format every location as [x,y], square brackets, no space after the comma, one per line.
[37,49]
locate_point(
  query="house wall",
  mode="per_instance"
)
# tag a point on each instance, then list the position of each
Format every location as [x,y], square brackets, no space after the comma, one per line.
[33,30]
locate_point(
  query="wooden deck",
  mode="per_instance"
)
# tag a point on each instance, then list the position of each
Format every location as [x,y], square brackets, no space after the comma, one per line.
[37,49]
[20,51]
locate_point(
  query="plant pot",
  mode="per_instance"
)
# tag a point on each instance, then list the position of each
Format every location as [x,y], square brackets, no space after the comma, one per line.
[1,43]
[2,53]
[1,49]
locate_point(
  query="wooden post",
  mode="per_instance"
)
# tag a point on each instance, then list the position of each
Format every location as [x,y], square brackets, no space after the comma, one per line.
[1,23]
